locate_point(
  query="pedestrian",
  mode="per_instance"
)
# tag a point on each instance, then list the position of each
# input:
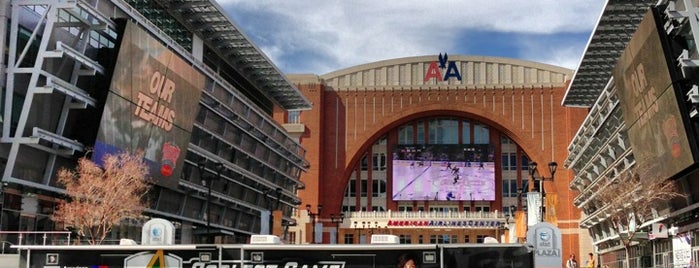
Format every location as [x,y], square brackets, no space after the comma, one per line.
[406,260]
[572,263]
[590,262]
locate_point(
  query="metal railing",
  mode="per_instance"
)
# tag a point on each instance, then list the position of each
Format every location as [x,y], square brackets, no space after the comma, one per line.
[18,238]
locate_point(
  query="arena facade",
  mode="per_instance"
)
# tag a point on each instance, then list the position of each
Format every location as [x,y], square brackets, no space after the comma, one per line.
[491,117]
[175,79]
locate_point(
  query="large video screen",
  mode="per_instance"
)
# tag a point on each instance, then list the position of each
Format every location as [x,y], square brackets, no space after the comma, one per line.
[646,93]
[152,101]
[443,172]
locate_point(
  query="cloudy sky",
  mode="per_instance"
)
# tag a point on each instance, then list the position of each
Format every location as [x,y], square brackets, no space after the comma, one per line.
[321,36]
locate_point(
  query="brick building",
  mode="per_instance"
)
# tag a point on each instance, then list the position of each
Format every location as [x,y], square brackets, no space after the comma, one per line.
[363,117]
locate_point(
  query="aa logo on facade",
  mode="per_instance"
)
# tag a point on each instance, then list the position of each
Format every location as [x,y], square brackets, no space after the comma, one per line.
[449,67]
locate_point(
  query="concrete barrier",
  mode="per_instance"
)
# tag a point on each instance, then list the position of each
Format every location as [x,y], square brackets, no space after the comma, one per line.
[9,260]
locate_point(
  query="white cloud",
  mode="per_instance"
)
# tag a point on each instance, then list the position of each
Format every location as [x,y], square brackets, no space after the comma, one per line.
[329,35]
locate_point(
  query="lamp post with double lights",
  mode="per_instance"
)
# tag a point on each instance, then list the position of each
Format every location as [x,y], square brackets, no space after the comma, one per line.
[365,225]
[532,172]
[313,217]
[208,181]
[337,219]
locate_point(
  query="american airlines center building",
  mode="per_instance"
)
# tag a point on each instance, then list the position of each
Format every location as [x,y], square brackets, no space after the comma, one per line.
[437,149]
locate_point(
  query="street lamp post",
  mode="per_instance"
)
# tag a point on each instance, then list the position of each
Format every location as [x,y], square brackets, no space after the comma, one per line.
[313,219]
[519,198]
[273,206]
[208,181]
[337,219]
[285,226]
[371,228]
[532,171]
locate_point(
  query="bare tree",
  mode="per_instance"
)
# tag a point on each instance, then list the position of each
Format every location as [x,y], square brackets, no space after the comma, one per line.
[631,199]
[101,197]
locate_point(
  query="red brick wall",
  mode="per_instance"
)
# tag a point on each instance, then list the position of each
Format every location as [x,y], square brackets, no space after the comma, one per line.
[345,124]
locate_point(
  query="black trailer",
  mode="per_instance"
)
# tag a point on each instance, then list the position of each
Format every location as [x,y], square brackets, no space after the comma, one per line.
[277,256]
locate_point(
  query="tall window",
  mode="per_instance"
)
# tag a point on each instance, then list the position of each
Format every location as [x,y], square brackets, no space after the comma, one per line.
[509,188]
[509,161]
[525,162]
[364,187]
[378,188]
[352,188]
[405,134]
[481,134]
[379,161]
[364,164]
[443,131]
[466,132]
[420,132]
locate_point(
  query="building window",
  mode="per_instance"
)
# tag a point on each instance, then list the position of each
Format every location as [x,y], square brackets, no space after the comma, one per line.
[443,209]
[509,161]
[405,239]
[480,239]
[364,163]
[420,132]
[405,135]
[294,117]
[352,188]
[442,239]
[349,239]
[364,188]
[505,140]
[433,239]
[467,239]
[443,131]
[378,188]
[465,132]
[379,161]
[525,163]
[509,188]
[483,208]
[405,208]
[481,134]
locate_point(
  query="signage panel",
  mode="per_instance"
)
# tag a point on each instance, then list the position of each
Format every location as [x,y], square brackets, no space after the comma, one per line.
[152,101]
[649,103]
[548,246]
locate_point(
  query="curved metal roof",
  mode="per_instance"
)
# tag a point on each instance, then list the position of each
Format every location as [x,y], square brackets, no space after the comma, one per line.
[209,21]
[409,71]
[616,25]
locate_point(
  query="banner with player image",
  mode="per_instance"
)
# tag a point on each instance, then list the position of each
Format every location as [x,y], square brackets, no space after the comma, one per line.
[152,101]
[449,172]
